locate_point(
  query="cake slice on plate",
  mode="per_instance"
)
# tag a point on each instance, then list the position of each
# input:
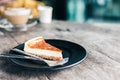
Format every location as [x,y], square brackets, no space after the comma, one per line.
[39,48]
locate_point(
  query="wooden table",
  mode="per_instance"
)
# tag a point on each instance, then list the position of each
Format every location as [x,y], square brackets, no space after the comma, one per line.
[102,42]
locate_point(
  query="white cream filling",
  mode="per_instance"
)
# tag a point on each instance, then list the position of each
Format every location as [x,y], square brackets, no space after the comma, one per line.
[43,52]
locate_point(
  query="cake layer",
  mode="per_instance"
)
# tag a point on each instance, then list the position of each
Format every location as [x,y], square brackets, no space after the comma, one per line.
[47,54]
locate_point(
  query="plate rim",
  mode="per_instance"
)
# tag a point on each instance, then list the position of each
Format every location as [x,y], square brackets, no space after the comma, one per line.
[54,68]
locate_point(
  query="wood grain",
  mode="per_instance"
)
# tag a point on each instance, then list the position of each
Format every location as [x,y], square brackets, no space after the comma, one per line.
[100,41]
[9,71]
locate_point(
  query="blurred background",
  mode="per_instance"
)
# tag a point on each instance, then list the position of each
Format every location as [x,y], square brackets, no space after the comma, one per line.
[74,10]
[85,10]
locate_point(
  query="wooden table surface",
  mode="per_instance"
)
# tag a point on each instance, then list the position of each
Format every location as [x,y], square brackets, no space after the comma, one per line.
[102,42]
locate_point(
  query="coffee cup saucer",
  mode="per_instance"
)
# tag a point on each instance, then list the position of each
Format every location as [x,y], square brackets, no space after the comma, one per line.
[4,24]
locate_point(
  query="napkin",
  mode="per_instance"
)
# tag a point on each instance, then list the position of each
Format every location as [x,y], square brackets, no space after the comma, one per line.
[48,62]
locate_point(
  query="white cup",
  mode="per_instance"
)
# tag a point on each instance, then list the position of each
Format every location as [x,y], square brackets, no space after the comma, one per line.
[18,17]
[45,14]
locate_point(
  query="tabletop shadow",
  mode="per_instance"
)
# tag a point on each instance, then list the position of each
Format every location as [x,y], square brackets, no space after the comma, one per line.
[13,69]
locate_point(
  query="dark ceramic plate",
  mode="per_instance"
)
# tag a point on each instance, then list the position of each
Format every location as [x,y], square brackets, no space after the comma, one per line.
[75,52]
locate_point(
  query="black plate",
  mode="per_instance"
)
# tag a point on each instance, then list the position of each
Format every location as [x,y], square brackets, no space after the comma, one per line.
[75,52]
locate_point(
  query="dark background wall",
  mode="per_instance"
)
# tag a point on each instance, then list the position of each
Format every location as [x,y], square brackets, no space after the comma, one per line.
[59,11]
[77,10]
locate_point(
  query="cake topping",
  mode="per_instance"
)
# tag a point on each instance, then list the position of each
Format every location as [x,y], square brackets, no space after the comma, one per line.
[40,43]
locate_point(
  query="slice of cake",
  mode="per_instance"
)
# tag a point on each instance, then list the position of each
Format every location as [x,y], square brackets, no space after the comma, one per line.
[39,48]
